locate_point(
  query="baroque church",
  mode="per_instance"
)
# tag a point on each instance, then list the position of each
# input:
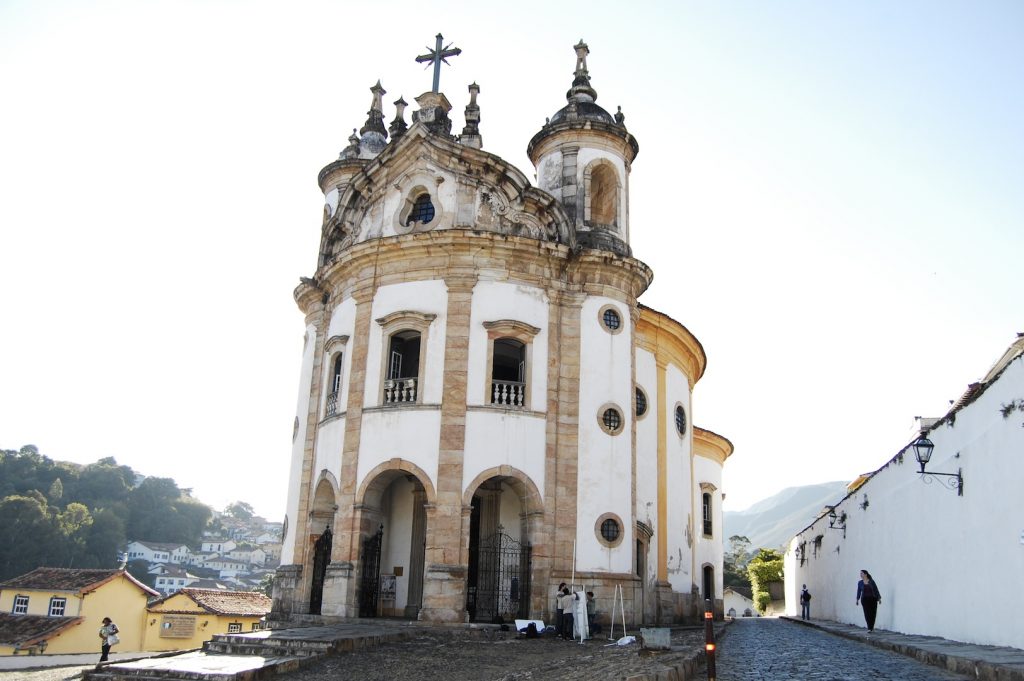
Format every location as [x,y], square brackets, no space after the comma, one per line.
[485,408]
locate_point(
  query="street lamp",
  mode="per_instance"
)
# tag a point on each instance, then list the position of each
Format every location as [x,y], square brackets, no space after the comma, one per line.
[923,453]
[837,522]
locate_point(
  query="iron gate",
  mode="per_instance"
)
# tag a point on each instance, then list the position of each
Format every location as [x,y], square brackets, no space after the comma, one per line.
[500,587]
[321,557]
[369,584]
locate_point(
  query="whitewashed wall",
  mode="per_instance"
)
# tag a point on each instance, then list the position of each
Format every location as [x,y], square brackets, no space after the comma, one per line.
[504,439]
[298,445]
[428,297]
[680,508]
[494,301]
[410,434]
[647,457]
[604,476]
[708,549]
[946,566]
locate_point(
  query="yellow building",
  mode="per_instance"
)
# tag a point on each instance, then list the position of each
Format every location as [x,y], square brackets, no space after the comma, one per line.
[190,617]
[60,610]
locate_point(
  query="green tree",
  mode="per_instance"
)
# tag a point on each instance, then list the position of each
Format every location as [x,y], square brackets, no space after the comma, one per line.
[763,569]
[56,492]
[139,569]
[74,524]
[734,568]
[28,535]
[240,510]
[106,537]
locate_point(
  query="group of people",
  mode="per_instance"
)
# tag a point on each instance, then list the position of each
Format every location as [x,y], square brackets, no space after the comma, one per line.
[565,604]
[868,597]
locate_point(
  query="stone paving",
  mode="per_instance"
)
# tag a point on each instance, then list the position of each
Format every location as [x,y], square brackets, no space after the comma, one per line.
[769,649]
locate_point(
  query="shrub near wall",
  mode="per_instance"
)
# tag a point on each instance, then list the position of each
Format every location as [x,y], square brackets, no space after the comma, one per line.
[765,568]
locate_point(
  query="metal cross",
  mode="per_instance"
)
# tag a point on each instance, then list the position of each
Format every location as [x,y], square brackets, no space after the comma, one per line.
[436,56]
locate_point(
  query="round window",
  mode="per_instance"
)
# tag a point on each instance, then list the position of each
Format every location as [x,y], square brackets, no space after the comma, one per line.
[612,420]
[641,402]
[680,420]
[611,319]
[610,530]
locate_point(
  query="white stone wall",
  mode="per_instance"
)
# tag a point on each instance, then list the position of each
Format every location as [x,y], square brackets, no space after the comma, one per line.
[682,525]
[503,438]
[298,445]
[708,550]
[410,434]
[647,457]
[946,566]
[429,297]
[494,301]
[605,461]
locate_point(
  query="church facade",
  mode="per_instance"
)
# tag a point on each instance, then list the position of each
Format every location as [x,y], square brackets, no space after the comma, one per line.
[485,408]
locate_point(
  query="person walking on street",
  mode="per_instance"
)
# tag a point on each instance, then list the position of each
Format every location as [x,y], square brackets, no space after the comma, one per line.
[805,603]
[108,637]
[868,597]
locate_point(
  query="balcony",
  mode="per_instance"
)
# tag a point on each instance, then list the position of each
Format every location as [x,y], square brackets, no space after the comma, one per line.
[510,394]
[332,403]
[400,390]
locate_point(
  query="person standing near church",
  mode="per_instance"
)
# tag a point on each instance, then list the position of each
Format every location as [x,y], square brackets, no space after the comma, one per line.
[805,603]
[568,603]
[558,609]
[108,637]
[868,597]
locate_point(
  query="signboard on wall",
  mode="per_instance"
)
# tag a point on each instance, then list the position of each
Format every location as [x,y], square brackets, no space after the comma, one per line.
[388,586]
[177,626]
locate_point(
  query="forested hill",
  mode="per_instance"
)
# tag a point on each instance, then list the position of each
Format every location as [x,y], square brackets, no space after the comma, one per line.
[61,514]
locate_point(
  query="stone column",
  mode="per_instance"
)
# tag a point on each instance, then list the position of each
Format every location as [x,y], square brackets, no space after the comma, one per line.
[447,546]
[571,196]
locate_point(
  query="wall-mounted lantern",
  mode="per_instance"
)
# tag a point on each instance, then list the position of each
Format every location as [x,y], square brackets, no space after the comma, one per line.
[837,522]
[923,453]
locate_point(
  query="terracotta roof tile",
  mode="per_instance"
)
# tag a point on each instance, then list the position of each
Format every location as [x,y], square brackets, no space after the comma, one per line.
[68,579]
[220,602]
[24,630]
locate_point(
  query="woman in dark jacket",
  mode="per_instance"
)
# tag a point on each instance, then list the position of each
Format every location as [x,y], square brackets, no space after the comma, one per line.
[868,597]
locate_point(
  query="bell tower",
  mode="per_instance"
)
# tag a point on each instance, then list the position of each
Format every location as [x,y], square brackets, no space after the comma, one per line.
[583,156]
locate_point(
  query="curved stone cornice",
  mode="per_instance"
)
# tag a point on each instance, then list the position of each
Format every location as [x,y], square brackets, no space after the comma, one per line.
[711,445]
[511,327]
[669,340]
[583,131]
[331,174]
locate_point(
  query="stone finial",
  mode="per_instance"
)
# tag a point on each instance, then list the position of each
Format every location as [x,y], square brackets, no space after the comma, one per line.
[620,118]
[399,126]
[470,136]
[433,113]
[352,150]
[375,116]
[374,134]
[581,91]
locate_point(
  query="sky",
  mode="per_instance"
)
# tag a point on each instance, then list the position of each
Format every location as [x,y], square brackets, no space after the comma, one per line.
[829,195]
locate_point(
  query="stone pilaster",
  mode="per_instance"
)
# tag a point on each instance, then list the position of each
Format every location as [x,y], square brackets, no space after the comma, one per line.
[447,545]
[570,191]
[562,458]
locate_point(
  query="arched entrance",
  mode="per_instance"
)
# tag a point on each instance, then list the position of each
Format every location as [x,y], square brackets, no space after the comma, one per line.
[498,582]
[323,517]
[393,525]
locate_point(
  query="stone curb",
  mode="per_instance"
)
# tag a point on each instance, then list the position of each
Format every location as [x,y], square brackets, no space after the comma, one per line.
[984,670]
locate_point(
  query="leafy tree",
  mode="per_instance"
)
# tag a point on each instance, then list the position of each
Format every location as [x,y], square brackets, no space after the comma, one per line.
[734,569]
[240,510]
[74,525]
[266,585]
[28,535]
[763,569]
[56,492]
[139,569]
[103,483]
[106,537]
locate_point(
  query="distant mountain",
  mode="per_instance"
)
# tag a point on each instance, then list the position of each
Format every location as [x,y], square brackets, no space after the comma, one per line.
[771,523]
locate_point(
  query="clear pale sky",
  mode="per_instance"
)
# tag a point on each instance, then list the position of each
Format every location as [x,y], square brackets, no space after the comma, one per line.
[829,195]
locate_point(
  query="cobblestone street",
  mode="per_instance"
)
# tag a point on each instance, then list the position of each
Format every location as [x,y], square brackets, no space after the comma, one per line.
[766,649]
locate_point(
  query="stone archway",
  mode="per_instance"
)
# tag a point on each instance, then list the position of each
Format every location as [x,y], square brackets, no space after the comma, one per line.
[505,512]
[391,514]
[322,519]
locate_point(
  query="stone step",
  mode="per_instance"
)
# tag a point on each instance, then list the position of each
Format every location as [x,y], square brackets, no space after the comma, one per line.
[197,666]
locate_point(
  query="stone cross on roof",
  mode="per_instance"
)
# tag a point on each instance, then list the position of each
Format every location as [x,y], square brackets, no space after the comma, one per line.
[436,56]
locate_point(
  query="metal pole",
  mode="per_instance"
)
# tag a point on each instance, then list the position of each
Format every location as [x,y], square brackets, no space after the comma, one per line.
[709,638]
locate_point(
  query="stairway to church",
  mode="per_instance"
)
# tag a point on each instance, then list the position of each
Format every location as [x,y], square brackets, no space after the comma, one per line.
[256,655]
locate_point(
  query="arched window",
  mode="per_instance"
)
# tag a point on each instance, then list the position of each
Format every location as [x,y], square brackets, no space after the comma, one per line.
[604,190]
[335,385]
[508,373]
